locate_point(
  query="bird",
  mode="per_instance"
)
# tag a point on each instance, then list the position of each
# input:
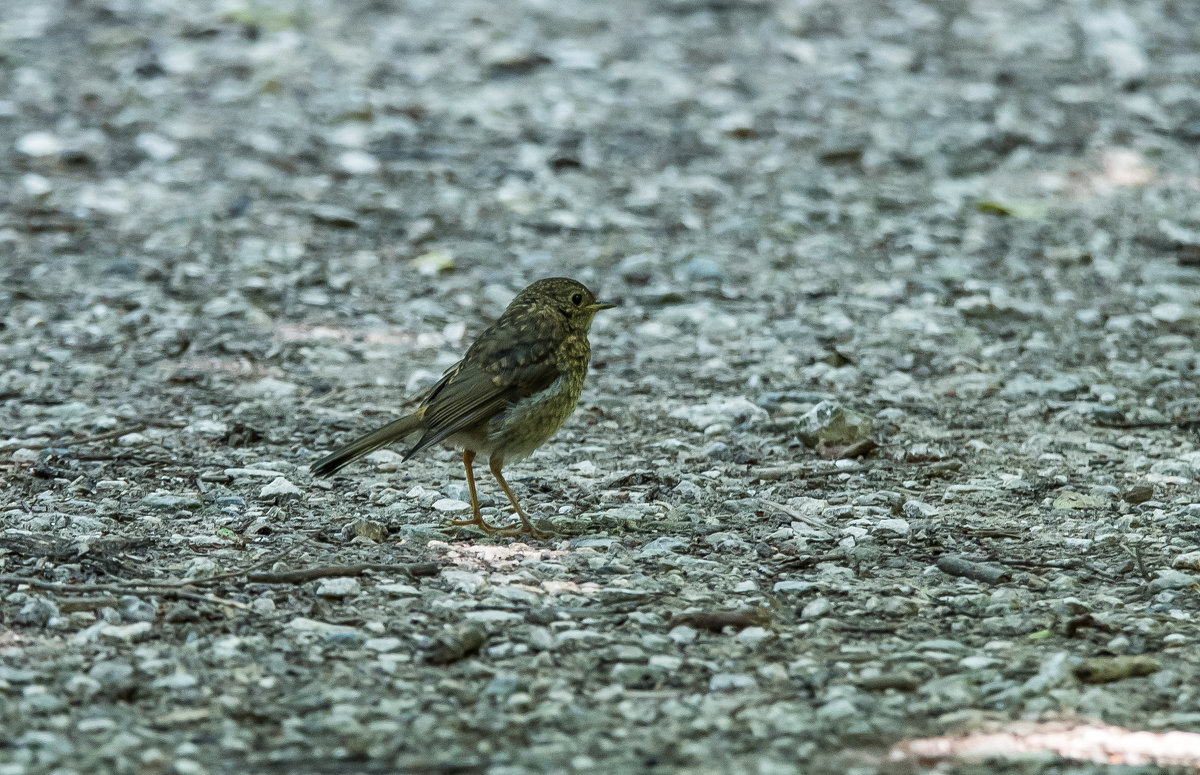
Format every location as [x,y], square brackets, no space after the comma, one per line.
[512,390]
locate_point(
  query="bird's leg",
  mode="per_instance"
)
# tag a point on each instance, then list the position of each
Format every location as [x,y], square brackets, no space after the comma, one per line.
[477,520]
[526,525]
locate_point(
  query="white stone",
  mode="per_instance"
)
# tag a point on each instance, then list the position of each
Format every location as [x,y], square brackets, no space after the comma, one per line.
[792,585]
[179,680]
[661,546]
[399,590]
[302,624]
[268,387]
[753,634]
[156,147]
[39,144]
[36,186]
[682,634]
[126,633]
[339,587]
[915,508]
[727,682]
[465,580]
[492,615]
[815,609]
[1187,561]
[278,487]
[897,526]
[208,428]
[357,163]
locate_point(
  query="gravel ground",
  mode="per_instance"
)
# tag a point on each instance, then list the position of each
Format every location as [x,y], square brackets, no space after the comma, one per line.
[893,434]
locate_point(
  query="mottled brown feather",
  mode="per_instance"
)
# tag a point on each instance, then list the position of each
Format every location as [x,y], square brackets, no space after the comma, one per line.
[512,359]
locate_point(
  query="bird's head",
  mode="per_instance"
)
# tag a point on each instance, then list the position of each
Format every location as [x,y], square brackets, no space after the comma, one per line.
[563,296]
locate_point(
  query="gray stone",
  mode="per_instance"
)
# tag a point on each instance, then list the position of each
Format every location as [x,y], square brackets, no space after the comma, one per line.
[163,501]
[135,609]
[111,674]
[898,527]
[1171,579]
[36,611]
[662,546]
[703,269]
[337,588]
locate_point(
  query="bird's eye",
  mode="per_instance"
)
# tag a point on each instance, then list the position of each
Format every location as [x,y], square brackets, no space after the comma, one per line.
[577,299]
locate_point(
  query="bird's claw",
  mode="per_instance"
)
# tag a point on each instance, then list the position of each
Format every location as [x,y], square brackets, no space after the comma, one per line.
[507,530]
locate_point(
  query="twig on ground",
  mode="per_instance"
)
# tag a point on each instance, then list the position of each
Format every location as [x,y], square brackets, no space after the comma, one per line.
[716,621]
[1061,564]
[68,605]
[796,515]
[991,532]
[89,439]
[128,588]
[126,456]
[302,575]
[1182,422]
[185,589]
[1135,550]
[205,597]
[234,574]
[775,473]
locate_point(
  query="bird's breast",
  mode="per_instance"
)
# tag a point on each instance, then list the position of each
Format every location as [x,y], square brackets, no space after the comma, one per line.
[527,424]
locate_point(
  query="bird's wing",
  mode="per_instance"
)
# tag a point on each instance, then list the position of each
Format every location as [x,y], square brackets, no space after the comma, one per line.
[505,365]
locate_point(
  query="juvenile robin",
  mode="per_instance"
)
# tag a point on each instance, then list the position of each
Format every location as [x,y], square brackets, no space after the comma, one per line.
[509,394]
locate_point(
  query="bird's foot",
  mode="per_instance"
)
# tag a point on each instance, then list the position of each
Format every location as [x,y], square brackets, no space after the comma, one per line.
[484,526]
[508,530]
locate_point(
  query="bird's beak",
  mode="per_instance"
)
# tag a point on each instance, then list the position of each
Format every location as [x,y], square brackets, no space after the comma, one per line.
[599,305]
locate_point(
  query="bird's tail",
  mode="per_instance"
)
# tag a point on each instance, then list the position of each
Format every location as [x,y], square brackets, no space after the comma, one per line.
[393,431]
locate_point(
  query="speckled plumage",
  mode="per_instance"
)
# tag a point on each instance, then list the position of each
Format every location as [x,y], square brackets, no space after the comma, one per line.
[512,390]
